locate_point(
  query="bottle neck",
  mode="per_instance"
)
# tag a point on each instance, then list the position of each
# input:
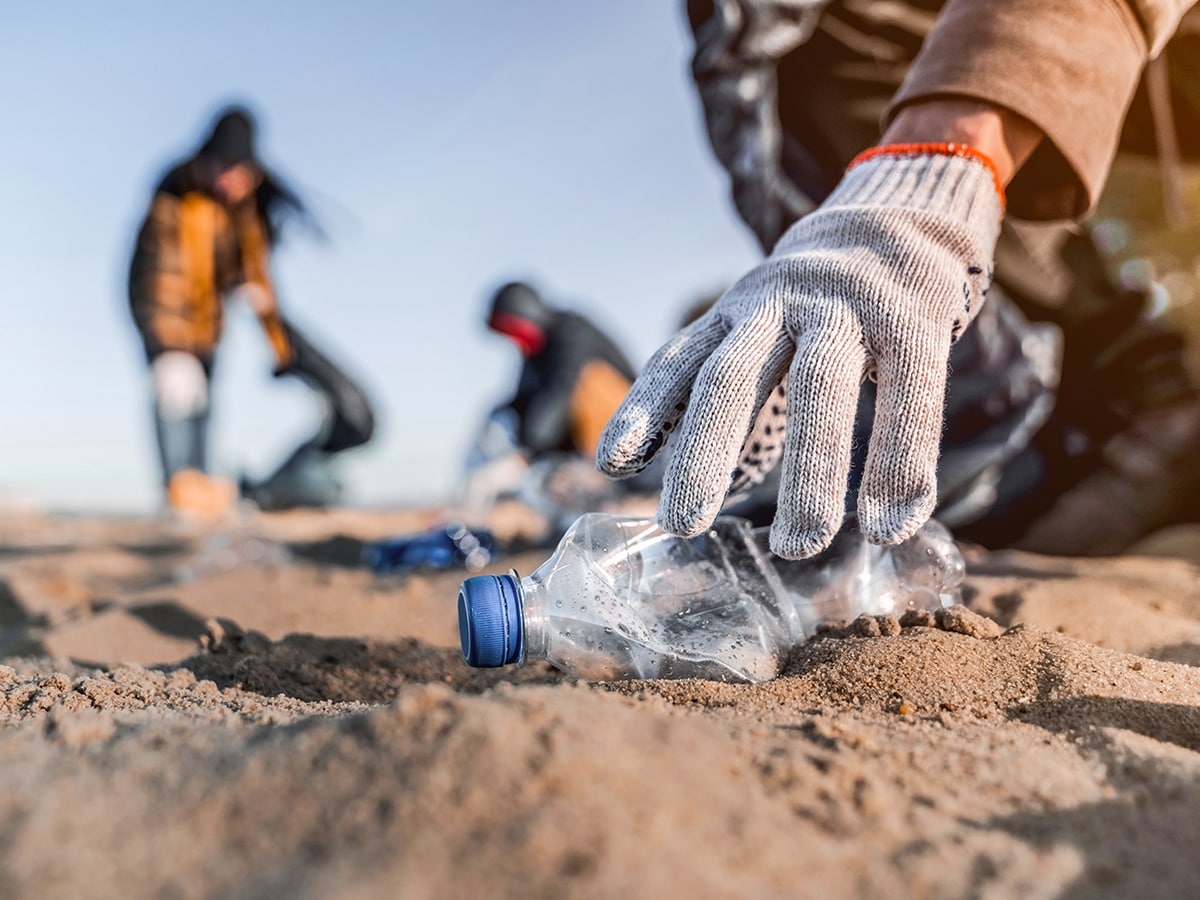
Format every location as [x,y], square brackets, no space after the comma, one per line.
[534,640]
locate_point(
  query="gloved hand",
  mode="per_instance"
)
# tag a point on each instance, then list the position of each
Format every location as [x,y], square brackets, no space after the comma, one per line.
[876,283]
[281,345]
[180,385]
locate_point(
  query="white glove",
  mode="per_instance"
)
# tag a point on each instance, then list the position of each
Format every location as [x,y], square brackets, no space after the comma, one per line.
[180,385]
[877,282]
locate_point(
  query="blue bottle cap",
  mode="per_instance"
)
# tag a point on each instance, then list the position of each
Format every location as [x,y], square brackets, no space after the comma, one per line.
[489,620]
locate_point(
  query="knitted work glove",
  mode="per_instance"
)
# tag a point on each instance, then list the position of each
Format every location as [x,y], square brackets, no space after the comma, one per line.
[876,283]
[180,385]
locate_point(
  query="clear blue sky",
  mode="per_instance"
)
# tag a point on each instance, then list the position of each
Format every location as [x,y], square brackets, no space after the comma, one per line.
[448,146]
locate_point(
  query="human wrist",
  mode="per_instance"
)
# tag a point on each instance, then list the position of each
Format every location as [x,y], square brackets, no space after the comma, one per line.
[952,178]
[1005,138]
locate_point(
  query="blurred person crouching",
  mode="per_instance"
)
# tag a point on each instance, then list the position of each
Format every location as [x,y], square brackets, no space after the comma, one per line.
[540,444]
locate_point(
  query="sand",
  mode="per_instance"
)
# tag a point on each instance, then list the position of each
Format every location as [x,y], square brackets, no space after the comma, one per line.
[271,720]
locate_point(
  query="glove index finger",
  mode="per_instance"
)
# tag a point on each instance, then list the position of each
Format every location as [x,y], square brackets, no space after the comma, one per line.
[657,400]
[729,391]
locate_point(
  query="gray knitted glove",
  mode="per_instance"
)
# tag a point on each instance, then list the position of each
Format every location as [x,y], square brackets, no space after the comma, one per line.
[876,283]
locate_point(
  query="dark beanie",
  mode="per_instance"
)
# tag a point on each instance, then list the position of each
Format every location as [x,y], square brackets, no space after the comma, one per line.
[232,139]
[520,300]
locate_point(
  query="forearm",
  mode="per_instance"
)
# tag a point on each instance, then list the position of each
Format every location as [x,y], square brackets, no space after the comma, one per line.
[277,337]
[1007,139]
[1068,66]
[262,300]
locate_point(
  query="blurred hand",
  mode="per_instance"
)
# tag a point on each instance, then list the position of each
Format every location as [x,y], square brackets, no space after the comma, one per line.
[285,361]
[877,282]
[262,301]
[180,385]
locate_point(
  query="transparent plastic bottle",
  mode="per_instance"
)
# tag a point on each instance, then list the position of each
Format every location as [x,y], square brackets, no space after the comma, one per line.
[620,598]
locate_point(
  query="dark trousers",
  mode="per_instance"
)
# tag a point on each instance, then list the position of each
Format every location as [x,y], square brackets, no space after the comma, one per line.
[182,444]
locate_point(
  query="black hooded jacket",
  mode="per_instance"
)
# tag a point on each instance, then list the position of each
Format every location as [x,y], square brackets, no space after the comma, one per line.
[570,388]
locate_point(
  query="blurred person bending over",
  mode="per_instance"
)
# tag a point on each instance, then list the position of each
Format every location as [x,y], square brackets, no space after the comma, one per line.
[209,232]
[1071,424]
[573,377]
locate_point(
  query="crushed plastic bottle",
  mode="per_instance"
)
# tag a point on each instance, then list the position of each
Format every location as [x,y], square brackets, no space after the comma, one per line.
[620,598]
[446,547]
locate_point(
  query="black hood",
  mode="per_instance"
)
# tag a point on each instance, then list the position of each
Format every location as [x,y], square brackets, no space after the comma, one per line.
[232,139]
[523,302]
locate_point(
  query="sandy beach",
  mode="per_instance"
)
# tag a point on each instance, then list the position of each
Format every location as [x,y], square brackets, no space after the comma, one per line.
[255,715]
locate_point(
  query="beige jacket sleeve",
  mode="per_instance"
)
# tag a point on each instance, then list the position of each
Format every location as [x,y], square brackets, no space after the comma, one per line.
[1068,66]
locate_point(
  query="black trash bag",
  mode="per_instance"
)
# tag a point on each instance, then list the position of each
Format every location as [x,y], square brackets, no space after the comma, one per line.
[305,478]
